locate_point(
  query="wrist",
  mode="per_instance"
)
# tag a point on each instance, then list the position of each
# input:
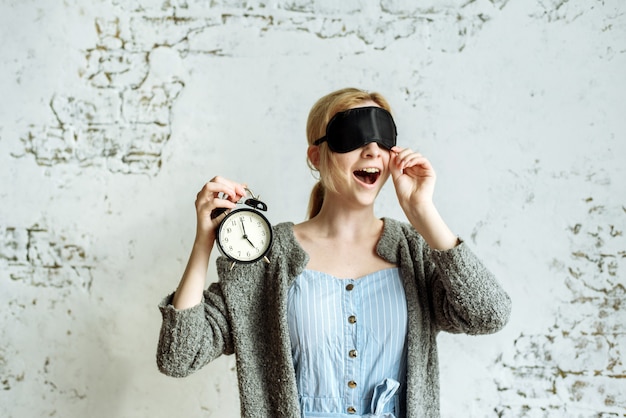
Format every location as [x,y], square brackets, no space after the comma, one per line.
[204,241]
[421,211]
[427,221]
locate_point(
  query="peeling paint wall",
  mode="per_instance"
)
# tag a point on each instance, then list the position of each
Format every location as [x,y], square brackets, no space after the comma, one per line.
[114,114]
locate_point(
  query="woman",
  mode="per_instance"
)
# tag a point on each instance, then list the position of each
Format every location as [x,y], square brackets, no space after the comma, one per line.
[343,320]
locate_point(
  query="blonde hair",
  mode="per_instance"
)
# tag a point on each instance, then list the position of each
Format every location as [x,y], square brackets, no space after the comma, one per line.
[319,116]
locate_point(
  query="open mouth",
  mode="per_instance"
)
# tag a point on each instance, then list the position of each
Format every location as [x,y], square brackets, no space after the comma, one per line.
[367,175]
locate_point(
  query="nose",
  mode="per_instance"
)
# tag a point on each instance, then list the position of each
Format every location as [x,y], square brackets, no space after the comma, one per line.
[371,150]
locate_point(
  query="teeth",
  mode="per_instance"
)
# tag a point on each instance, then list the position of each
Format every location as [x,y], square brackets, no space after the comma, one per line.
[370,170]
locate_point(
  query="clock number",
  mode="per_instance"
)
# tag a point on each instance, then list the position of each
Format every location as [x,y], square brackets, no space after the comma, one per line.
[245,236]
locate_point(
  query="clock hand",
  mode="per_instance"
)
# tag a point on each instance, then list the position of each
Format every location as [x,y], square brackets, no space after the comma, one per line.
[245,236]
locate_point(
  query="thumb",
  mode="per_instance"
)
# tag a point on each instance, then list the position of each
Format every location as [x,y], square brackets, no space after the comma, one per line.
[394,168]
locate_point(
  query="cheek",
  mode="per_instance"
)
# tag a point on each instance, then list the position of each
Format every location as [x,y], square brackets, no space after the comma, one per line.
[343,161]
[387,159]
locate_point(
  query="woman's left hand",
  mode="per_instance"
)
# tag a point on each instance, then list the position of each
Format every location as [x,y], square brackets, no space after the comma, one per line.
[413,177]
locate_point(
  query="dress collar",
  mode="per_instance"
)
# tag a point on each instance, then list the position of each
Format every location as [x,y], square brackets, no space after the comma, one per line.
[299,258]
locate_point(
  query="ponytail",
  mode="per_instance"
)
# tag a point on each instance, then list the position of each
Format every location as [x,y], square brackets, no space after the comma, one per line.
[316,200]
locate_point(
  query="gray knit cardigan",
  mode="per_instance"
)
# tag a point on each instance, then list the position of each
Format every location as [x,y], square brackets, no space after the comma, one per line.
[246,313]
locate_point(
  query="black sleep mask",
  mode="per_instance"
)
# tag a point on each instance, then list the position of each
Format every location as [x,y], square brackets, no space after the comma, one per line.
[354,128]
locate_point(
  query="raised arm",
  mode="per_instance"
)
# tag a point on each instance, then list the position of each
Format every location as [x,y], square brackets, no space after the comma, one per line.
[466,296]
[414,179]
[195,327]
[217,193]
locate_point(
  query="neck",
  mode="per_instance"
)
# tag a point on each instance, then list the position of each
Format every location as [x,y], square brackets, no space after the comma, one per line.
[336,219]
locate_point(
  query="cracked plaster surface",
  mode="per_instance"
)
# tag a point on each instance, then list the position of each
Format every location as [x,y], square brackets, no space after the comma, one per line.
[37,258]
[74,347]
[581,356]
[125,121]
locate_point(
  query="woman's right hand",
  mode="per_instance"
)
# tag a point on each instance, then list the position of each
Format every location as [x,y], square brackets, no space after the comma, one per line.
[219,192]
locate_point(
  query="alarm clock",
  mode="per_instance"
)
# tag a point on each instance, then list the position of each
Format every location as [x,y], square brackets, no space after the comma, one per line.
[245,234]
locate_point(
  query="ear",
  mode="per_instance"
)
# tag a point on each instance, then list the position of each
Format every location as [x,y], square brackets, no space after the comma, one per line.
[313,153]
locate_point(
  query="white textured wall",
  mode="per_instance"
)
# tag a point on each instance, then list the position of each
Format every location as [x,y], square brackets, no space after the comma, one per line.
[115,112]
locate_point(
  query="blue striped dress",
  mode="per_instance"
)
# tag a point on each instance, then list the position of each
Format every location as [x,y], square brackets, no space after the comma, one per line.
[348,341]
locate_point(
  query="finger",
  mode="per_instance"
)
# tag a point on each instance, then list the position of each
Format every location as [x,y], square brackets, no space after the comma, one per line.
[222,202]
[395,166]
[234,189]
[217,212]
[214,207]
[400,150]
[415,160]
[402,153]
[408,158]
[241,189]
[217,197]
[220,185]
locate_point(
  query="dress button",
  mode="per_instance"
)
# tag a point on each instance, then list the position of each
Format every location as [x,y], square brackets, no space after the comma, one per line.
[352,353]
[352,319]
[351,410]
[349,287]
[352,384]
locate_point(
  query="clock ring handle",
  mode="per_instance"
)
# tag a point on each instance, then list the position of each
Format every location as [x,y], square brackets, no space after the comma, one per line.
[253,203]
[256,204]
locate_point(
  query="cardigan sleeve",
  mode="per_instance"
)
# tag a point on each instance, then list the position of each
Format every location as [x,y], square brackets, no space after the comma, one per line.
[190,338]
[466,296]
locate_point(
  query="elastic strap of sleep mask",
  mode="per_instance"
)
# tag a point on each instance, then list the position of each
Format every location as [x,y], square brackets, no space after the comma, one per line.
[354,128]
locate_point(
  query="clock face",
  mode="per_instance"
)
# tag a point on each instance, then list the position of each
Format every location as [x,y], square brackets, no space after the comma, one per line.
[244,236]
